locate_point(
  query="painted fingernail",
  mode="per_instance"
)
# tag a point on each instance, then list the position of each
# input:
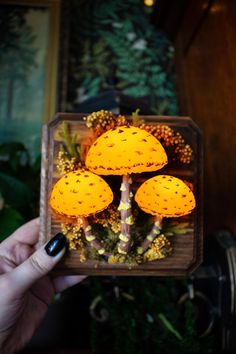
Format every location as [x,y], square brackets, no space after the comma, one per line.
[55,245]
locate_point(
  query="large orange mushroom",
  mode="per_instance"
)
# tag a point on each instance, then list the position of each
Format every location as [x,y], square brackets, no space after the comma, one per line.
[122,151]
[79,194]
[163,196]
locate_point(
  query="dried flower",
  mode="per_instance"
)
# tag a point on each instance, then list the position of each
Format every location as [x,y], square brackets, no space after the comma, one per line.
[74,235]
[116,258]
[103,120]
[171,139]
[66,164]
[109,218]
[160,248]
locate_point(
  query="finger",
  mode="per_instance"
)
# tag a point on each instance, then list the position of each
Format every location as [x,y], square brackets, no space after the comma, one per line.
[13,255]
[63,282]
[19,246]
[28,234]
[37,265]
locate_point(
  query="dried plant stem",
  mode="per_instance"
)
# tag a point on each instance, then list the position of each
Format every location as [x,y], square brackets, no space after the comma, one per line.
[69,140]
[156,230]
[126,215]
[92,238]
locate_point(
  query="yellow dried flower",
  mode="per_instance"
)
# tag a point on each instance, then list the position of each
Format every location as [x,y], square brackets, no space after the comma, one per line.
[74,235]
[66,164]
[116,258]
[160,248]
[109,218]
[169,138]
[103,120]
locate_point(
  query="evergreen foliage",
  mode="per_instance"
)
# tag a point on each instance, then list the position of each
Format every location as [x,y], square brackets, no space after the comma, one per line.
[112,50]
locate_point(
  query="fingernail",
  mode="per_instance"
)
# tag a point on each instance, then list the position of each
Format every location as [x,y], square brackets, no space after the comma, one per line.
[55,245]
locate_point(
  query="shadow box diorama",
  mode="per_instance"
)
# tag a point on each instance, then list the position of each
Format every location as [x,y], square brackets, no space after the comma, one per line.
[125,190]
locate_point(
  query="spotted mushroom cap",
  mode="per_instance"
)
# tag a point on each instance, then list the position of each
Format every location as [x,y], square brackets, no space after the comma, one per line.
[165,195]
[80,193]
[125,150]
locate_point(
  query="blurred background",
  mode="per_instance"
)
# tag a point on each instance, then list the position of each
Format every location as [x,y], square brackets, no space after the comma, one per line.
[164,57]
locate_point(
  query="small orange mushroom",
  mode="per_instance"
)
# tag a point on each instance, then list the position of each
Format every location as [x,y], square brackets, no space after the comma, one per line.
[122,151]
[79,194]
[163,196]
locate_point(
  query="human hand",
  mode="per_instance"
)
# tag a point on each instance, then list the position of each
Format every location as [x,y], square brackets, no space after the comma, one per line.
[26,288]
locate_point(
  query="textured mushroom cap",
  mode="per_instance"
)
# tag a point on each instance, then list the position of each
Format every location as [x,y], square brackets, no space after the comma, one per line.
[80,193]
[125,150]
[165,195]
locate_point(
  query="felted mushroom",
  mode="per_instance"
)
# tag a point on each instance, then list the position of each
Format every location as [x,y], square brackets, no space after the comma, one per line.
[122,151]
[163,196]
[79,194]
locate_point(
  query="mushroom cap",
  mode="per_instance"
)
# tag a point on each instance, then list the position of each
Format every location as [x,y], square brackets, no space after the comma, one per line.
[124,150]
[166,196]
[80,193]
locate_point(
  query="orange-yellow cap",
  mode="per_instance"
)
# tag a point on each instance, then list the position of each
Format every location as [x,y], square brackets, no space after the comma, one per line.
[125,150]
[166,196]
[80,193]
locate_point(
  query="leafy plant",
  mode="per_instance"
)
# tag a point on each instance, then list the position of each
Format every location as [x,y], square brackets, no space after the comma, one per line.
[122,52]
[19,187]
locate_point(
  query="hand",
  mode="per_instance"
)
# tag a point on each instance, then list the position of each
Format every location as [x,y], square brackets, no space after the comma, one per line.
[25,288]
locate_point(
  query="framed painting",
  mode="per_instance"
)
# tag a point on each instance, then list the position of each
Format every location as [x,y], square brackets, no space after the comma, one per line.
[28,70]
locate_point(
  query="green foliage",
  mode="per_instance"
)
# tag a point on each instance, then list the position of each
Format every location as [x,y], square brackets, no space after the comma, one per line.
[169,326]
[14,192]
[144,317]
[19,187]
[10,220]
[112,50]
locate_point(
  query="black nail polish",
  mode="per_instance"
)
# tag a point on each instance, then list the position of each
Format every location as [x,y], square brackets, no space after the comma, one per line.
[56,244]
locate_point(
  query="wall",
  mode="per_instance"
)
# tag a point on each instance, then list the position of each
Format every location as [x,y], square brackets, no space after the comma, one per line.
[206,70]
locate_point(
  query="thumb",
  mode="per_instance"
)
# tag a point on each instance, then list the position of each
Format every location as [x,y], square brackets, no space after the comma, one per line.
[37,265]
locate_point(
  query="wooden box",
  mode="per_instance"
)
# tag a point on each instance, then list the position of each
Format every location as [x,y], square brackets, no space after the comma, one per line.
[187,237]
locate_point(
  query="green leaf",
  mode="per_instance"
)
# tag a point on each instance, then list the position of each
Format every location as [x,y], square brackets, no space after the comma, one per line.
[15,193]
[161,108]
[9,149]
[15,154]
[136,91]
[37,165]
[10,220]
[169,326]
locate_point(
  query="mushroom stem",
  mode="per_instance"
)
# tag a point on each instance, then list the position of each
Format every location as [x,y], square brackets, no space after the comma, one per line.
[156,230]
[92,238]
[126,215]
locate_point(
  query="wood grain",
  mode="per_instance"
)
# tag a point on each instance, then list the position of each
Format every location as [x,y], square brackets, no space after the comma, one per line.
[207,92]
[187,248]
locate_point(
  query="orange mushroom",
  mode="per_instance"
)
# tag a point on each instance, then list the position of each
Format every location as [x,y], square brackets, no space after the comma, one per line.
[163,196]
[79,194]
[122,151]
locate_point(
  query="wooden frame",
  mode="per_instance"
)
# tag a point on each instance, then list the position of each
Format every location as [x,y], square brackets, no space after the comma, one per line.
[48,82]
[188,248]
